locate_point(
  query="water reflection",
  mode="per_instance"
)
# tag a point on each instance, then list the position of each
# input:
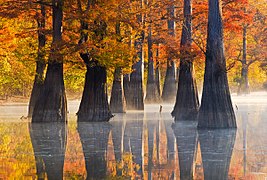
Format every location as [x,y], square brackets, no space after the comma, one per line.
[94,139]
[49,145]
[160,149]
[135,146]
[186,138]
[216,151]
[133,139]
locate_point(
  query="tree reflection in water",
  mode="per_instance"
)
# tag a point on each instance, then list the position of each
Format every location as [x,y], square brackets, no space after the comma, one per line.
[134,146]
[132,139]
[94,139]
[186,138]
[49,145]
[216,151]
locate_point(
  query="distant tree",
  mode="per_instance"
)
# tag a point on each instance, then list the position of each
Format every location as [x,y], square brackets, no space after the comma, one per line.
[117,99]
[169,87]
[135,100]
[152,86]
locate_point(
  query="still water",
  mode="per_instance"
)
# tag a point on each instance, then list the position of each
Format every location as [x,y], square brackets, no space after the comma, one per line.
[135,145]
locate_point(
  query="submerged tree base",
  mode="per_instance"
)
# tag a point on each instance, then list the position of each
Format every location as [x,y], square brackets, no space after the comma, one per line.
[152,95]
[51,105]
[187,104]
[117,99]
[94,106]
[135,99]
[169,88]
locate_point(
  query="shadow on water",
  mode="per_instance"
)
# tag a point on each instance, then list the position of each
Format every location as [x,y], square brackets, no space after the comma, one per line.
[94,139]
[216,151]
[49,145]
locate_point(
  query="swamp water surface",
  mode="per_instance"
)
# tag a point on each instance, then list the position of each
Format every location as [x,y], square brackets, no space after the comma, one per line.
[135,145]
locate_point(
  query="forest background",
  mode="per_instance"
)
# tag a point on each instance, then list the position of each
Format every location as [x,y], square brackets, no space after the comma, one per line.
[244,21]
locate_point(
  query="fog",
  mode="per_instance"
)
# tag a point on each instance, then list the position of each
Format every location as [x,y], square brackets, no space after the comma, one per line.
[161,148]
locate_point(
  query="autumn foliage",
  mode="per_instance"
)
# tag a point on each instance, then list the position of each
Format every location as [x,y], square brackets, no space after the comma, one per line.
[19,43]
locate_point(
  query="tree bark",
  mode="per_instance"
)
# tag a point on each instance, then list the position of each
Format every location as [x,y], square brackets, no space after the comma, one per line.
[94,139]
[187,103]
[49,145]
[40,62]
[52,104]
[152,92]
[94,105]
[169,87]
[117,100]
[216,151]
[216,109]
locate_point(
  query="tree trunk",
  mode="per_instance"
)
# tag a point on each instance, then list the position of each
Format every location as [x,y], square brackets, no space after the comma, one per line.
[157,72]
[94,104]
[177,76]
[135,100]
[152,93]
[169,87]
[94,139]
[244,85]
[186,106]
[49,144]
[52,104]
[126,88]
[117,100]
[136,93]
[40,62]
[216,109]
[216,151]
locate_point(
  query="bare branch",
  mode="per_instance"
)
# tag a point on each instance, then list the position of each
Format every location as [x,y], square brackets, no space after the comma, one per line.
[79,6]
[43,3]
[198,45]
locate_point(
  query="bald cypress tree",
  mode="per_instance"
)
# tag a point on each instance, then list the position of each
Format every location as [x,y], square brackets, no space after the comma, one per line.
[40,61]
[216,109]
[169,87]
[52,104]
[186,106]
[152,91]
[94,105]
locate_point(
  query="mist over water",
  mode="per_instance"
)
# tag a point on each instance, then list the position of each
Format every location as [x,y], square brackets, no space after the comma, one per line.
[141,145]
